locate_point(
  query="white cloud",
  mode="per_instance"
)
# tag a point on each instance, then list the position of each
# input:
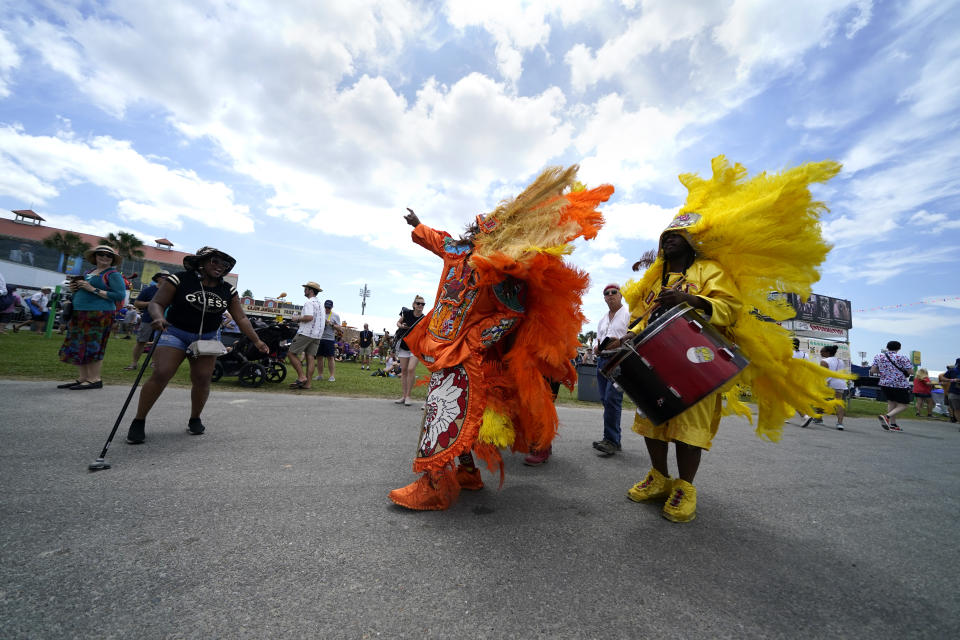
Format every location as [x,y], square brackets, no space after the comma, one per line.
[907,323]
[861,19]
[833,119]
[661,24]
[771,33]
[516,27]
[937,90]
[612,260]
[145,190]
[9,60]
[881,266]
[630,149]
[924,217]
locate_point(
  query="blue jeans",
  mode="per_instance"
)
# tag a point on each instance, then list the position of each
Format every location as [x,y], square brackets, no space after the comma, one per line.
[180,339]
[612,402]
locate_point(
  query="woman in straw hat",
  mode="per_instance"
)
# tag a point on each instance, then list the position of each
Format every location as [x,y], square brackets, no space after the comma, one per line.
[95,298]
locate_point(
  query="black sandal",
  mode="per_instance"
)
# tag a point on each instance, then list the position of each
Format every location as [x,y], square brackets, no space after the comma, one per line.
[83,386]
[67,385]
[298,384]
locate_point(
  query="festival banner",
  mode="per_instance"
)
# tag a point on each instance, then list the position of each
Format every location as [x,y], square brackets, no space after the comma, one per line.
[801,328]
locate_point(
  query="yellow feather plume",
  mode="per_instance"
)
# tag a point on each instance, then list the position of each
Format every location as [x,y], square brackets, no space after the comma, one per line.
[496,429]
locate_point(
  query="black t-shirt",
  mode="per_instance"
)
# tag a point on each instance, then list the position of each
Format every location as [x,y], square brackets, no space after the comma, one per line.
[188,302]
[409,319]
[366,338]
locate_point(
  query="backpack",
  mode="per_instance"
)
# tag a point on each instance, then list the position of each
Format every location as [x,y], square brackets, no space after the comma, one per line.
[106,283]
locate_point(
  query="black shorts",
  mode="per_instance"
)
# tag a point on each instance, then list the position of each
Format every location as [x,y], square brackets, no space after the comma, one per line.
[327,349]
[896,394]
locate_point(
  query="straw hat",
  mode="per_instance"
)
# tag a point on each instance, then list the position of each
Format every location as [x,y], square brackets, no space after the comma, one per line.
[89,254]
[313,285]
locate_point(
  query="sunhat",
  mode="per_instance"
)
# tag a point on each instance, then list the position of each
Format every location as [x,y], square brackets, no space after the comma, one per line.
[193,262]
[90,254]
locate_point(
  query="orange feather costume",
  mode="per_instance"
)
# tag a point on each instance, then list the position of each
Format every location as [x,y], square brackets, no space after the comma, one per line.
[505,323]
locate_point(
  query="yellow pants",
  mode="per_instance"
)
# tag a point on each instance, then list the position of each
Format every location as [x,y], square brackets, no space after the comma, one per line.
[696,426]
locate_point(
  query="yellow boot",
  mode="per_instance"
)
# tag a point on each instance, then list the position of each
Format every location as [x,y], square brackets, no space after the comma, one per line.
[653,487]
[681,506]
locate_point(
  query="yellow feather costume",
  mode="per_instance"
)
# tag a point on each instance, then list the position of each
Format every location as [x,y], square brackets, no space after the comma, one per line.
[765,233]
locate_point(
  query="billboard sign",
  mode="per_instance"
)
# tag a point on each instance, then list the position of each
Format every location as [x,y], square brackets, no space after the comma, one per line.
[822,310]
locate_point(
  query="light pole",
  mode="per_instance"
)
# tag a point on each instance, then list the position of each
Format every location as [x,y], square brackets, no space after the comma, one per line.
[364,294]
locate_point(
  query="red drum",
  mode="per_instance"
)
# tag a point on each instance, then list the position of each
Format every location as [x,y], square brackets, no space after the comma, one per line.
[676,362]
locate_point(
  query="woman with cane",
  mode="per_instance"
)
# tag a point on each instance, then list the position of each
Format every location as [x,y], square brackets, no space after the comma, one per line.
[187,308]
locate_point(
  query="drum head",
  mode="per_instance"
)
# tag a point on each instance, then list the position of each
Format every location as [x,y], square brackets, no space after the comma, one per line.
[665,319]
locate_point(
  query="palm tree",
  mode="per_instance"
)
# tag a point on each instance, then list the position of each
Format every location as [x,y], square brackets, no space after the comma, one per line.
[67,244]
[590,336]
[126,244]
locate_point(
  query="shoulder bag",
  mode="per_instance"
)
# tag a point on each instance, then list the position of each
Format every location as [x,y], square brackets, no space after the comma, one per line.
[199,348]
[905,374]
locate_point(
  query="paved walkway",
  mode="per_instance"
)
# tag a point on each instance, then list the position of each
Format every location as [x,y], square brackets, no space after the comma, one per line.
[276,524]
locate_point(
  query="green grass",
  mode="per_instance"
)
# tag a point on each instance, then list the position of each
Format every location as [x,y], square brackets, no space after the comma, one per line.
[28,356]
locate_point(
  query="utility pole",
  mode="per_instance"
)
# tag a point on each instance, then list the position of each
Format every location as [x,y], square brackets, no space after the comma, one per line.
[364,293]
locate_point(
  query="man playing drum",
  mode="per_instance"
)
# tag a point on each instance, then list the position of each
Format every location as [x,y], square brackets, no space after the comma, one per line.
[735,244]
[703,285]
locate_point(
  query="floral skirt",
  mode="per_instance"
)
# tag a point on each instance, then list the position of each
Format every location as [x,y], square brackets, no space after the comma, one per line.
[86,337]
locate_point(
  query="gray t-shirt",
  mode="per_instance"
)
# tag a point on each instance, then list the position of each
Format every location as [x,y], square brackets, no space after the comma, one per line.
[331,316]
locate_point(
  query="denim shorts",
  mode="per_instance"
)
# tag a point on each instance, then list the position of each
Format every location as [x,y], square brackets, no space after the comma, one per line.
[180,339]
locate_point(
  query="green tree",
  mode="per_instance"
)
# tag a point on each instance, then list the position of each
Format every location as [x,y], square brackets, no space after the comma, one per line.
[68,244]
[247,293]
[126,244]
[590,336]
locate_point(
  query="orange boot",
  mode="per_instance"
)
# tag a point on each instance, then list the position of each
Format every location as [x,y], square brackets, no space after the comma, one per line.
[434,491]
[469,478]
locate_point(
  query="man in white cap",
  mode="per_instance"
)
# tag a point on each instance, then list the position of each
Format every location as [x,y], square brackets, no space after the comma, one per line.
[308,335]
[611,328]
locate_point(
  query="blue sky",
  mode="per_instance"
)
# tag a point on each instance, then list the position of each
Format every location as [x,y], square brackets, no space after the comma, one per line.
[293,135]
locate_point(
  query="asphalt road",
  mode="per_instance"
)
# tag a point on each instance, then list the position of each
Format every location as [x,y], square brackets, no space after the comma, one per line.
[276,524]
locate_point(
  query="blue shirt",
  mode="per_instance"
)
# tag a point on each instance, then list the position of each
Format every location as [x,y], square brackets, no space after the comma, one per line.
[146,295]
[85,301]
[953,374]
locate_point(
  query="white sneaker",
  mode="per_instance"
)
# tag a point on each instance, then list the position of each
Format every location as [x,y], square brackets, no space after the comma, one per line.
[332,379]
[839,427]
[318,377]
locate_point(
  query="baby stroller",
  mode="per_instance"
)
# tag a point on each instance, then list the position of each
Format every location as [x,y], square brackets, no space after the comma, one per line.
[251,366]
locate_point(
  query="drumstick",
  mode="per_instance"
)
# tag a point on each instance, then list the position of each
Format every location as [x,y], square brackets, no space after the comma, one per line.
[642,318]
